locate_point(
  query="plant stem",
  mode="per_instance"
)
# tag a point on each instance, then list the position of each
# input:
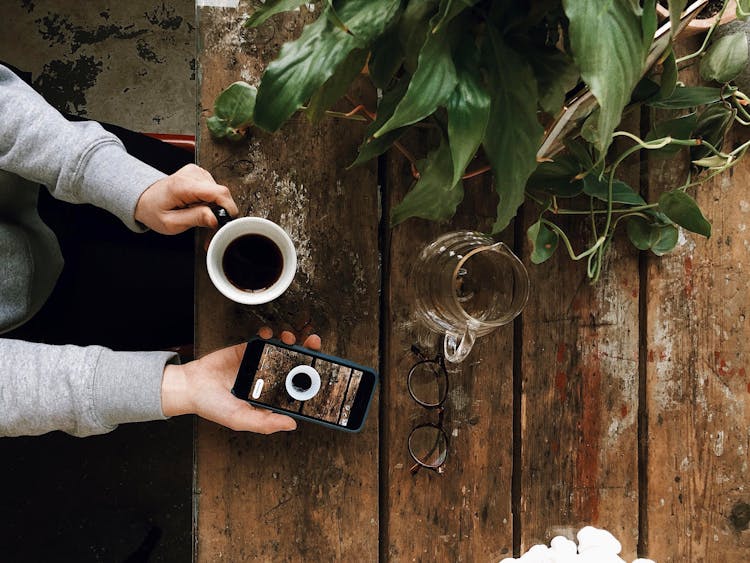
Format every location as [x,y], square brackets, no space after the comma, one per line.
[710,31]
[476,172]
[566,241]
[603,211]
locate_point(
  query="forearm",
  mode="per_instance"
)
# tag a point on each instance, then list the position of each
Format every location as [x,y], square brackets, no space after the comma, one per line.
[78,162]
[79,390]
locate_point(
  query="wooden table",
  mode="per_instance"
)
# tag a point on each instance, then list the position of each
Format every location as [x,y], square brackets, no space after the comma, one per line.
[625,405]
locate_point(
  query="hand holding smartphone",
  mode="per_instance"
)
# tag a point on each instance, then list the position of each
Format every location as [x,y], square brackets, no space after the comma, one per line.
[305,384]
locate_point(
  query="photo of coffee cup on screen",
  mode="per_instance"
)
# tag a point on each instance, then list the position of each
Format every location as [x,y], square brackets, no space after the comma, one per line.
[251,260]
[298,383]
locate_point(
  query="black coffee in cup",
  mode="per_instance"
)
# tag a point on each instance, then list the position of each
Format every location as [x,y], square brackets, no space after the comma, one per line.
[252,262]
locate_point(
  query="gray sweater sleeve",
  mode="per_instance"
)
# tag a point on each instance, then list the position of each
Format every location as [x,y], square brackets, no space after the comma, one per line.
[79,390]
[79,162]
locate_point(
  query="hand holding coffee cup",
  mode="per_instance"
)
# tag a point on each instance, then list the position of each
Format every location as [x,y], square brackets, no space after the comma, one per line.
[251,260]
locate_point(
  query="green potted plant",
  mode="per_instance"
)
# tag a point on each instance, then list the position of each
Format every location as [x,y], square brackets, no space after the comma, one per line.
[527,92]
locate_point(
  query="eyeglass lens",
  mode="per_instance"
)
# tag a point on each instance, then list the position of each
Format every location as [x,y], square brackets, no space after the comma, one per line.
[428,445]
[428,383]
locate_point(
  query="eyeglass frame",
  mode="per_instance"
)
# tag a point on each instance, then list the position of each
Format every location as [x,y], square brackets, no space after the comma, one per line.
[439,360]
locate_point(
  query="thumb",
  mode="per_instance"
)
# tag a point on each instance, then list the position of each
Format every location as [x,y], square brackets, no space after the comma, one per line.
[265,421]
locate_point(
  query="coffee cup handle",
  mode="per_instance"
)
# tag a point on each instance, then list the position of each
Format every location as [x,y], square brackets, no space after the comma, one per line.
[221,214]
[457,346]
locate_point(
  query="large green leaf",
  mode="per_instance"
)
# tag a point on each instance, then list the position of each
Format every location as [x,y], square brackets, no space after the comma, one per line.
[689,97]
[590,128]
[665,239]
[337,85]
[301,68]
[668,76]
[743,9]
[656,236]
[386,58]
[639,232]
[676,7]
[725,58]
[543,242]
[682,209]
[433,196]
[233,111]
[609,48]
[621,192]
[468,111]
[367,20]
[453,8]
[413,27]
[387,105]
[431,85]
[375,147]
[271,8]
[558,177]
[513,133]
[581,151]
[649,22]
[555,73]
[306,64]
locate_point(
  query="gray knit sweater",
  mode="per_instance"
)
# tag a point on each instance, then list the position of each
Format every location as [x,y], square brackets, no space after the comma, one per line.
[79,390]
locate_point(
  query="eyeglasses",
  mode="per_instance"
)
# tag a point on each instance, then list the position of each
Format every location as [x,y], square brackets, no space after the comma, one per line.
[427,383]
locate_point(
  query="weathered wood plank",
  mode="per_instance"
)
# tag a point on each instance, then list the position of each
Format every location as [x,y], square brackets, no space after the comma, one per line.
[579,406]
[464,514]
[313,494]
[698,387]
[699,380]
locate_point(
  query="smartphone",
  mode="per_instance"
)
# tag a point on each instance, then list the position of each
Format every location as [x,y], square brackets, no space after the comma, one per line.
[305,384]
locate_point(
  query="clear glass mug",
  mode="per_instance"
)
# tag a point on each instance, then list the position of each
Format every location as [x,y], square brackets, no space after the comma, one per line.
[466,285]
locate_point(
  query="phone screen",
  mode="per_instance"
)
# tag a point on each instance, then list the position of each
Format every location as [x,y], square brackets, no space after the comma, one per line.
[306,385]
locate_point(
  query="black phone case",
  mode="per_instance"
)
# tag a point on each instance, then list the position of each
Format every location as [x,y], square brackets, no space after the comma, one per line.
[246,373]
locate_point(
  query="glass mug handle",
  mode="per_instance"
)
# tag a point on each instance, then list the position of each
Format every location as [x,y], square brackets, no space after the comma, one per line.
[457,346]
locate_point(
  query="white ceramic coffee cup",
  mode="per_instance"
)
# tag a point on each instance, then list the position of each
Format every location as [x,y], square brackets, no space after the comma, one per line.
[250,226]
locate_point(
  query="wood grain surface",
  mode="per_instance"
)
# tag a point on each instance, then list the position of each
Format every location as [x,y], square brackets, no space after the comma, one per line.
[312,494]
[623,405]
[465,513]
[697,389]
[698,385]
[579,406]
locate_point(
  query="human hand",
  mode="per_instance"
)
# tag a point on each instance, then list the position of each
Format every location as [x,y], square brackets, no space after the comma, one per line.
[173,204]
[203,387]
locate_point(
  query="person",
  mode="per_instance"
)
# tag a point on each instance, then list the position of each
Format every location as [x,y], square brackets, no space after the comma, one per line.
[85,390]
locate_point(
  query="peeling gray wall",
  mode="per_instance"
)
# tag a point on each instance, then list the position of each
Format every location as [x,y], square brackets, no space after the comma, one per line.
[129,63]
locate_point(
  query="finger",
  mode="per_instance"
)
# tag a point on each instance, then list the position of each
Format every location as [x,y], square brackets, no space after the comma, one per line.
[179,220]
[265,332]
[194,191]
[288,338]
[312,342]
